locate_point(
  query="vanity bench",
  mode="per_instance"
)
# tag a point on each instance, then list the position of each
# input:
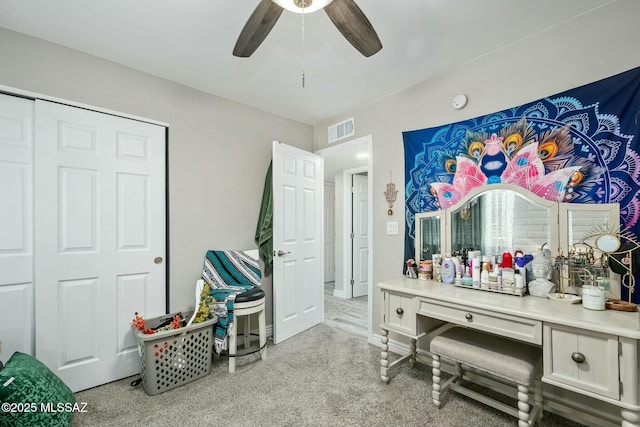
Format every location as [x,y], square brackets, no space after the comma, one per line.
[517,365]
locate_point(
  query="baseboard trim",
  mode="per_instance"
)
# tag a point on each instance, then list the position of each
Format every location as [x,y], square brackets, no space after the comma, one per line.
[339,293]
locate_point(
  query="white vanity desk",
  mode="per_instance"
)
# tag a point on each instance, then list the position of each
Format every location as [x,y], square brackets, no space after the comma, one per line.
[586,352]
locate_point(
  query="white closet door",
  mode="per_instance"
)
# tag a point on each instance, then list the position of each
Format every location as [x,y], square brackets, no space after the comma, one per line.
[100,240]
[16,225]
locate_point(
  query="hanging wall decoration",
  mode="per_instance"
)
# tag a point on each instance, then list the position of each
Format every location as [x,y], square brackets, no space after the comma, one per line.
[579,146]
[390,195]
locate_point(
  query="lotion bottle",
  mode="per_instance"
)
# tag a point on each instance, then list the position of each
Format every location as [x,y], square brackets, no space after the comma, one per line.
[484,274]
[448,270]
[475,272]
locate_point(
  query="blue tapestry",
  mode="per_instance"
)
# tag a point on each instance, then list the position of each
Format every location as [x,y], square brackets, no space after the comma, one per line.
[579,146]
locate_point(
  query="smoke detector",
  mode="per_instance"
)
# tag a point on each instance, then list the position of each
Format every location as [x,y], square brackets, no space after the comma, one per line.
[459,102]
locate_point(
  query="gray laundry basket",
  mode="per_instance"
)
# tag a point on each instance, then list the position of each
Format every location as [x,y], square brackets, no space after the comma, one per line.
[172,358]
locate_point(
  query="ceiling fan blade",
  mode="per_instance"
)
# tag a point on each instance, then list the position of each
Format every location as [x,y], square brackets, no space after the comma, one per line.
[354,26]
[257,28]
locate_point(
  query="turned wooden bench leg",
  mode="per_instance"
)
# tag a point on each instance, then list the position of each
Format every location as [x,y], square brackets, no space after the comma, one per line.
[436,378]
[524,408]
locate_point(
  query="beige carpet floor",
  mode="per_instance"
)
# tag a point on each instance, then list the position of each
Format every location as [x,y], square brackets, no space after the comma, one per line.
[322,377]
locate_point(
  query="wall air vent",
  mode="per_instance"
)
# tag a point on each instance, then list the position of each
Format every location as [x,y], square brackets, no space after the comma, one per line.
[341,130]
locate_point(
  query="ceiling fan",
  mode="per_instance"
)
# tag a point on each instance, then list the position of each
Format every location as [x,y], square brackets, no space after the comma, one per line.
[345,15]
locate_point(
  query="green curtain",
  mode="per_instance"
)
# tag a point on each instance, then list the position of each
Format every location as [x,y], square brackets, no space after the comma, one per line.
[264,230]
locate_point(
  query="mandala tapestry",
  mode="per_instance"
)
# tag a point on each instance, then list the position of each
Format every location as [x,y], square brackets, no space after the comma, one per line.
[579,146]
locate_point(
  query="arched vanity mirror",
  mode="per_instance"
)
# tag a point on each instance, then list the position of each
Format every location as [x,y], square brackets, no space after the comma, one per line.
[502,218]
[493,219]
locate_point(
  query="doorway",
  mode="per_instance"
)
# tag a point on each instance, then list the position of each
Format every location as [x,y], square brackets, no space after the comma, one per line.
[342,163]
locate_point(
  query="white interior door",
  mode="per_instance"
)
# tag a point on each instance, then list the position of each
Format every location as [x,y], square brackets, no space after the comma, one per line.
[298,293]
[329,232]
[100,240]
[16,226]
[360,233]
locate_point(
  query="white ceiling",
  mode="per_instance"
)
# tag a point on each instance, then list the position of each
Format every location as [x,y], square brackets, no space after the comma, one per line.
[190,42]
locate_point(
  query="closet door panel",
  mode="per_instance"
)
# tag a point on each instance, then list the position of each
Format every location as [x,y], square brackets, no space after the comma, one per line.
[100,221]
[16,226]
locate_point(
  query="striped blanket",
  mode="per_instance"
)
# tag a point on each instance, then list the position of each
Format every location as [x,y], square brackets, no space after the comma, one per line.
[228,273]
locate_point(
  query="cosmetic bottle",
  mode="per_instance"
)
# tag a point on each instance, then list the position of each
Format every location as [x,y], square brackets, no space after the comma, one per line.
[507,260]
[508,280]
[447,270]
[484,273]
[437,260]
[519,279]
[475,272]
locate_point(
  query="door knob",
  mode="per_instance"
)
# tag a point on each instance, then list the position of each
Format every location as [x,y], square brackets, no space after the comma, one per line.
[157,260]
[282,253]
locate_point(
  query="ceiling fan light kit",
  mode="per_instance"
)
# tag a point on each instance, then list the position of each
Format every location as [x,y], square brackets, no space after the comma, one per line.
[302,6]
[345,15]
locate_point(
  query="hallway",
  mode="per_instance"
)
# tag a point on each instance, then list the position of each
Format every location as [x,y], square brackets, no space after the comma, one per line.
[349,315]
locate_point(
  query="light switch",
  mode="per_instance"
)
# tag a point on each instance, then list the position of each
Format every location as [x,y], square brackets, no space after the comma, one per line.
[392,227]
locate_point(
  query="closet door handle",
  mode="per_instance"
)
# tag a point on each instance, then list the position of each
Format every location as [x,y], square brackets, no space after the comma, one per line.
[283,253]
[469,317]
[400,311]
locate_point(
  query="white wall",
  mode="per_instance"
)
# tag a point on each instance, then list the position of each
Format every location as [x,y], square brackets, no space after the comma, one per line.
[577,52]
[219,150]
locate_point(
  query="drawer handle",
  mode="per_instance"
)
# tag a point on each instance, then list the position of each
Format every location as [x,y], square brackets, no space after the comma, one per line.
[400,311]
[469,317]
[578,357]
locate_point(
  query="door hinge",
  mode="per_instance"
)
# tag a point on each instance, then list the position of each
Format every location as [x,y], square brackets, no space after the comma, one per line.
[352,282]
[621,387]
[619,348]
[352,236]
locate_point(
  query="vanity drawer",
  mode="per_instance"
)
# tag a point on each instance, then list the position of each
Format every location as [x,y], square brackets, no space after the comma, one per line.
[585,360]
[518,328]
[400,313]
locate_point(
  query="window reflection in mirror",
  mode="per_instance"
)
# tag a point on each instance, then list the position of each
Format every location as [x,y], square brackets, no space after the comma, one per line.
[500,221]
[430,237]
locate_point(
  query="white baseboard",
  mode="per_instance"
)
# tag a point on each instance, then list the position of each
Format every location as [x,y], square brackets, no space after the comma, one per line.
[339,293]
